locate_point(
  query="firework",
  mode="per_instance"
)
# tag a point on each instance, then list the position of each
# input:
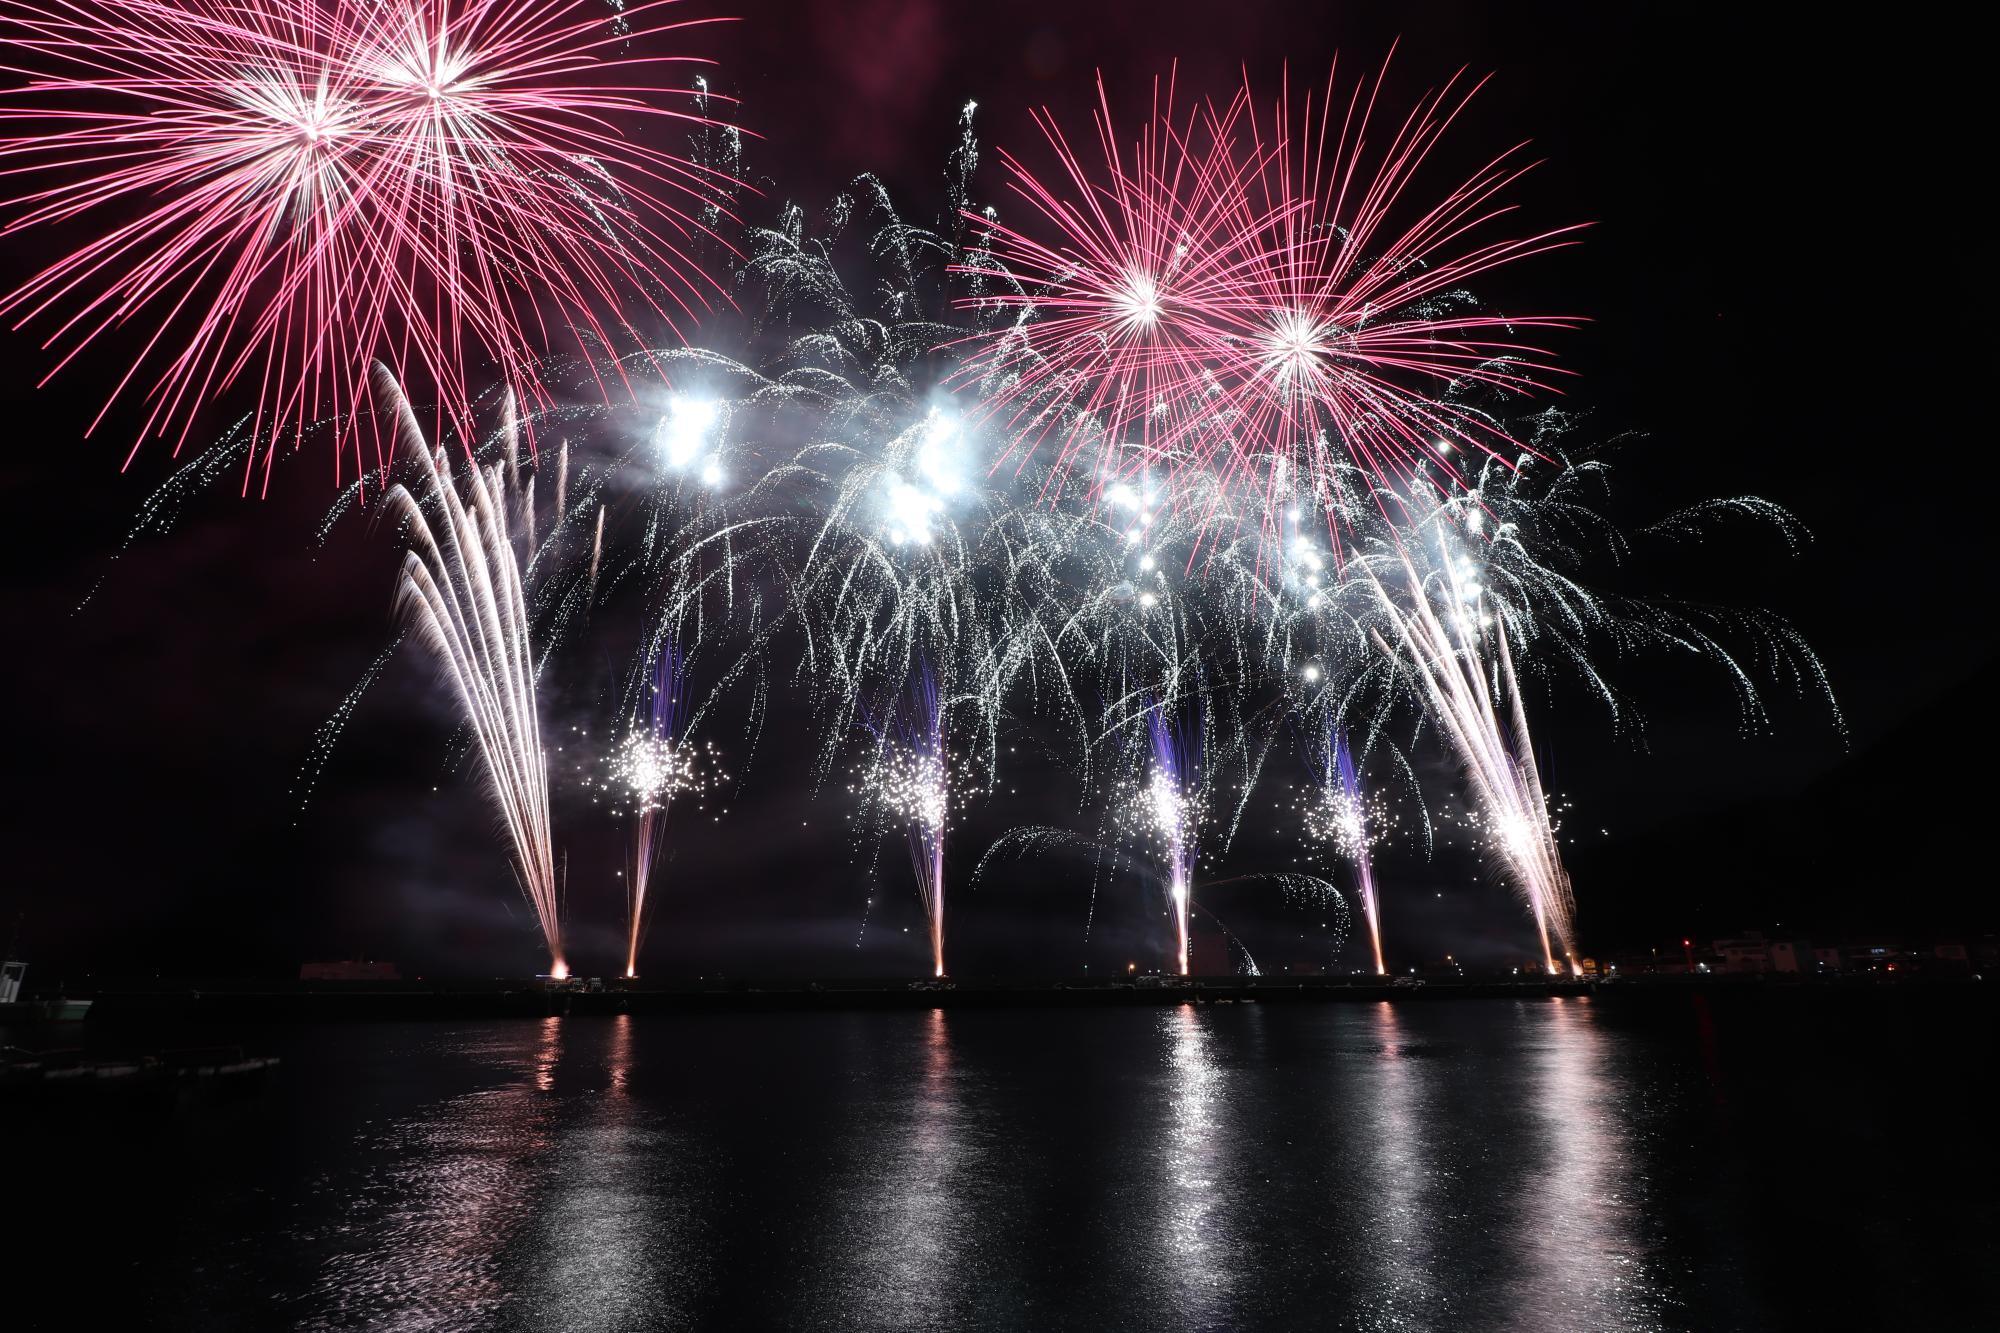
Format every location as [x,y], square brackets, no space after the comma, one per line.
[1165,810]
[1112,335]
[1460,655]
[461,588]
[1446,598]
[275,194]
[857,519]
[1348,339]
[650,769]
[1260,308]
[909,781]
[656,764]
[1340,815]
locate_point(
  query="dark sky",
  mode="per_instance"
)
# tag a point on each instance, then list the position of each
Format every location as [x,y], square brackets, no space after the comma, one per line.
[1780,290]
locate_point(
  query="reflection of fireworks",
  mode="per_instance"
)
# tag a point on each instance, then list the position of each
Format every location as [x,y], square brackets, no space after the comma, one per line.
[288,191]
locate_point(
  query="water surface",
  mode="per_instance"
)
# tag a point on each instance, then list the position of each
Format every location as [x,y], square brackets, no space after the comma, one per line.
[1545,1163]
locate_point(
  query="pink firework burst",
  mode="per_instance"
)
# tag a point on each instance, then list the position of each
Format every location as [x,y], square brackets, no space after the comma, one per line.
[1324,336]
[281,192]
[1115,340]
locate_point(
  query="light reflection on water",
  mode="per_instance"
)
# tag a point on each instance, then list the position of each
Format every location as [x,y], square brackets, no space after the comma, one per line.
[906,1215]
[1375,1167]
[606,1237]
[1588,1262]
[1398,1195]
[439,1198]
[1201,1268]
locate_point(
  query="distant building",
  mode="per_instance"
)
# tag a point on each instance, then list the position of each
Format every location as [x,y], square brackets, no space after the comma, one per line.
[1790,956]
[1875,955]
[1675,961]
[1750,952]
[350,970]
[1943,958]
[1753,951]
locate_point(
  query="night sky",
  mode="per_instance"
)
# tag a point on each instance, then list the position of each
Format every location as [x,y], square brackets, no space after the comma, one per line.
[1781,304]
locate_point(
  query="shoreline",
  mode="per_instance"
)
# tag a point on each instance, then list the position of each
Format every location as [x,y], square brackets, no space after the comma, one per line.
[237,1001]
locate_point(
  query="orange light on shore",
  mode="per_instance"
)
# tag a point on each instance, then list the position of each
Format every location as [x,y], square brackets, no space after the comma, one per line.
[560,971]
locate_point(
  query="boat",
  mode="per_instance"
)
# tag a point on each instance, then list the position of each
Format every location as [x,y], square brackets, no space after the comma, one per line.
[14,1009]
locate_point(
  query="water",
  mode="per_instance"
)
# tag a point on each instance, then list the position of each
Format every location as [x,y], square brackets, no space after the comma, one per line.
[1676,1163]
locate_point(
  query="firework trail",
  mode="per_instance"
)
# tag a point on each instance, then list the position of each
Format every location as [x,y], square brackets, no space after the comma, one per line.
[1346,819]
[596,551]
[461,589]
[277,193]
[911,779]
[163,510]
[328,734]
[1265,309]
[1444,632]
[1168,810]
[657,763]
